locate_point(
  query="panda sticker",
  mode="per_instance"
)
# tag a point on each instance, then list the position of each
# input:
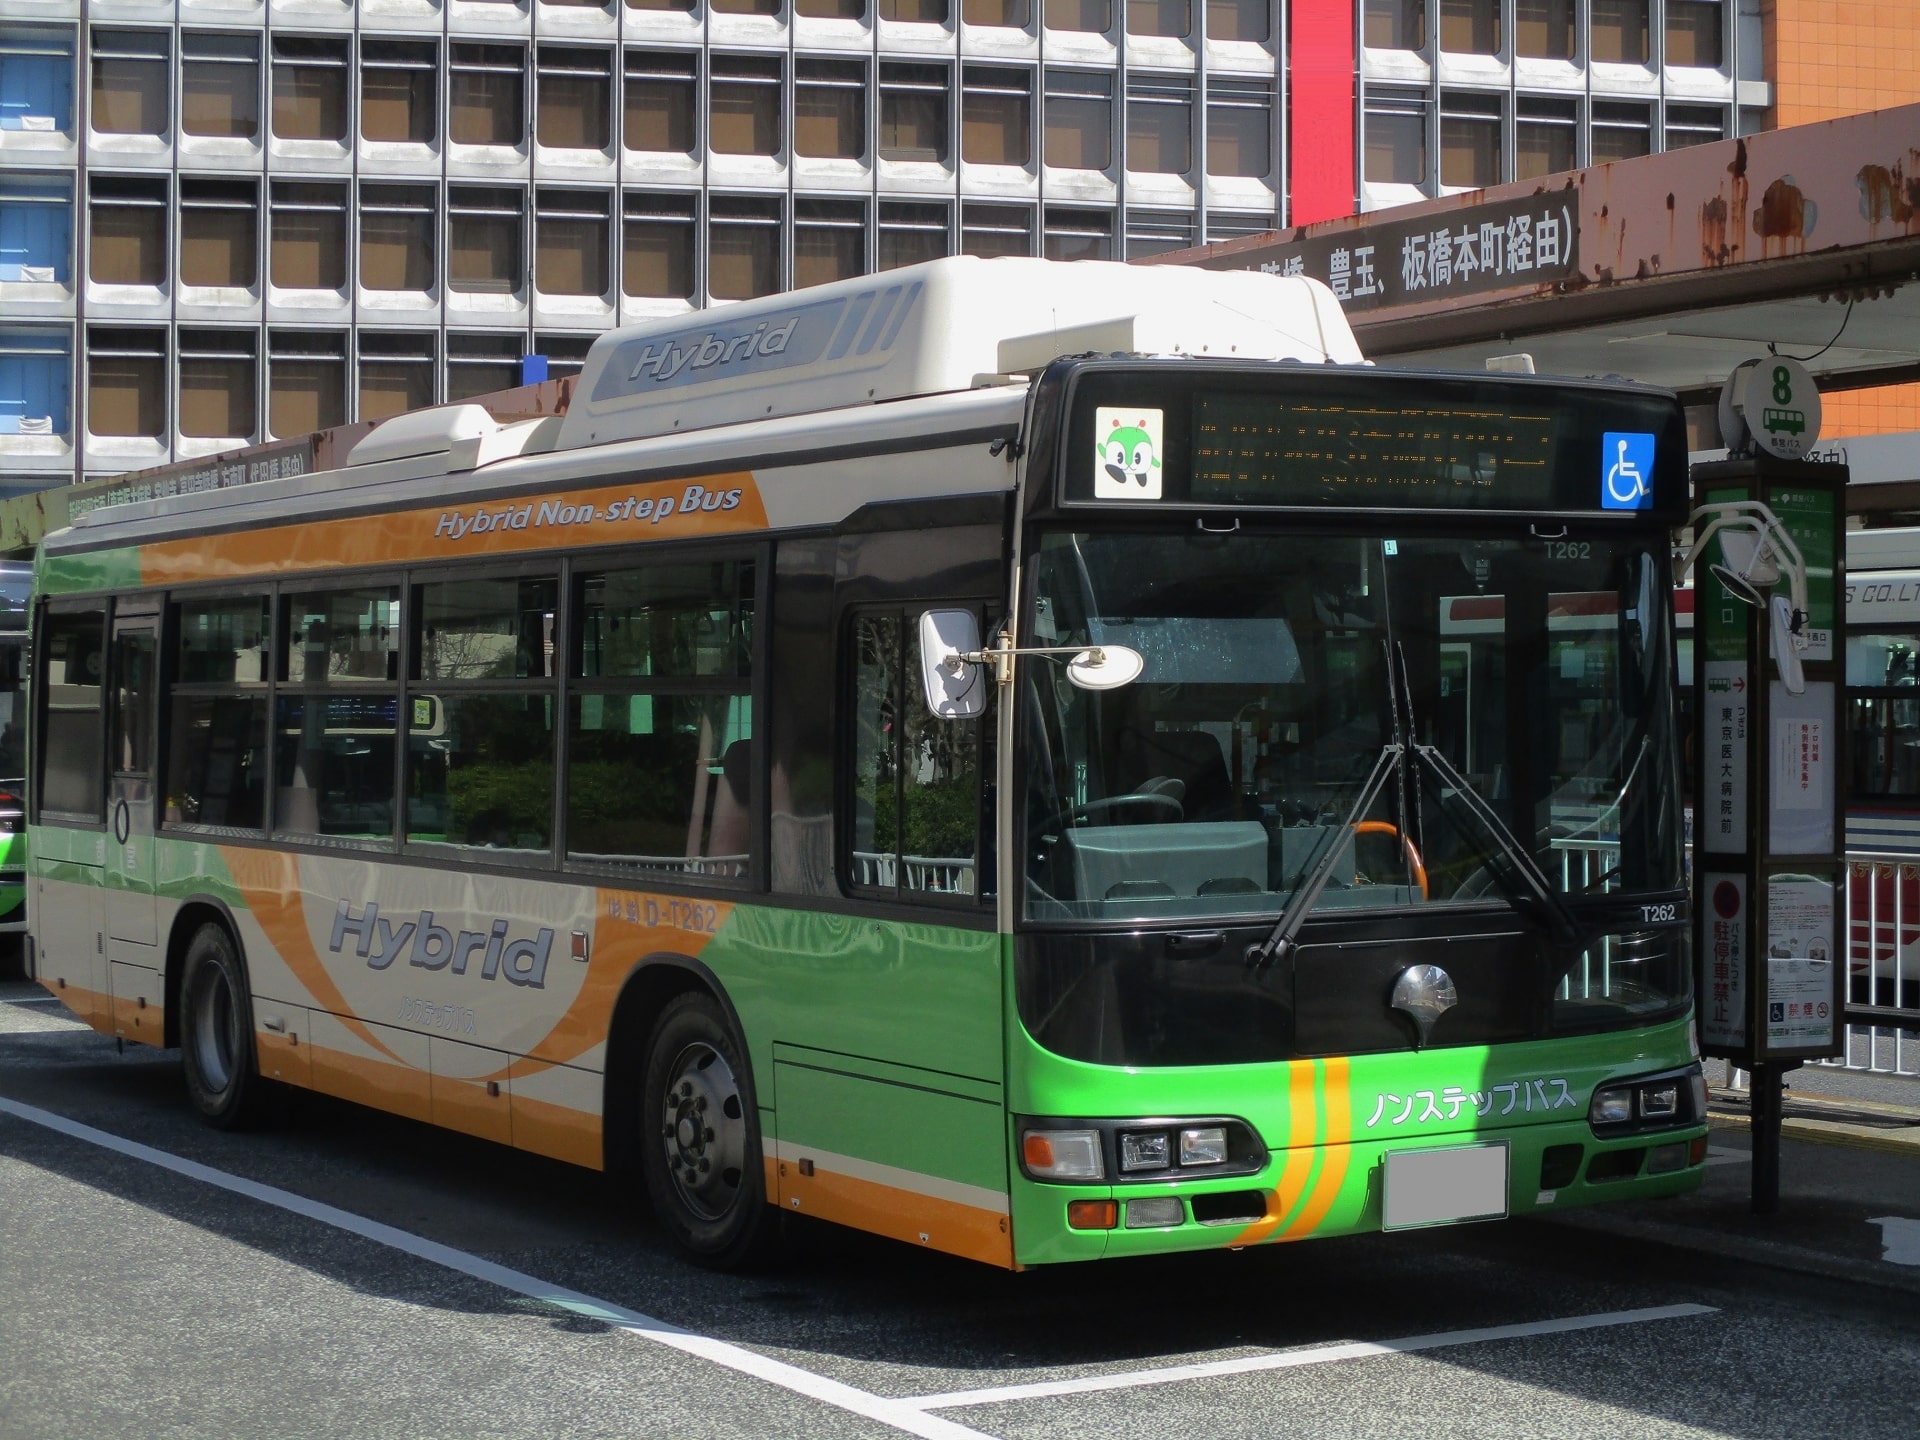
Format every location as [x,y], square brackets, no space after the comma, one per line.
[1126,460]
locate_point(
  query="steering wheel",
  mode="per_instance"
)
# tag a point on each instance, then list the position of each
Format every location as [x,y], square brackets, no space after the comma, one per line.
[1150,799]
[1387,827]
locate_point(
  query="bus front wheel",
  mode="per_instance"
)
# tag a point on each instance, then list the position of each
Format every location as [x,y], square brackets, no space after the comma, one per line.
[216,1032]
[700,1138]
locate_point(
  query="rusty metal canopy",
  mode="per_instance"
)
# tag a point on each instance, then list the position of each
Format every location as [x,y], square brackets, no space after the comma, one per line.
[1670,268]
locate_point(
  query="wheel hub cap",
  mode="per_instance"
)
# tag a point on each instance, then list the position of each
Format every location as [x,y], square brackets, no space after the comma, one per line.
[704,1131]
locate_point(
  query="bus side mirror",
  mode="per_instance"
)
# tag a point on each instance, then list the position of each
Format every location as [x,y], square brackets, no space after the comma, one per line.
[955,689]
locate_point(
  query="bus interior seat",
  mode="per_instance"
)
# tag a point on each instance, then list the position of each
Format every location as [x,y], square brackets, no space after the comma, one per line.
[1230,885]
[731,826]
[1140,890]
[1108,861]
[1145,759]
[1298,847]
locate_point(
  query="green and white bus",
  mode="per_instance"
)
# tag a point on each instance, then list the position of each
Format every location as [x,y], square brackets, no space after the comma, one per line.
[16,592]
[1038,761]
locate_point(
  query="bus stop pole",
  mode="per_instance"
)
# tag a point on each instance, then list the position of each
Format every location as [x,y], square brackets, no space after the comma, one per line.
[1765,1085]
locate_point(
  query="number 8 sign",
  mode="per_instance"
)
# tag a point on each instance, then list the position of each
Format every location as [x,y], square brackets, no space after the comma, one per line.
[1781,406]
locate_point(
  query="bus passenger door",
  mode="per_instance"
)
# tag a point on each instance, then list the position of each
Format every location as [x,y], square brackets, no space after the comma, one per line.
[132,933]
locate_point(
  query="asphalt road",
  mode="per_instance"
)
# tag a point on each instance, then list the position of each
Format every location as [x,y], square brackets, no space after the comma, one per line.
[345,1274]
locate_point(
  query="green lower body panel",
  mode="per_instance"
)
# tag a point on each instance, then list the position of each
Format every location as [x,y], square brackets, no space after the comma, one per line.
[1328,1127]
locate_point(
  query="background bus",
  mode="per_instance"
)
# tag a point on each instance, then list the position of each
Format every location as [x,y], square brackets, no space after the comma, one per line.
[16,591]
[742,802]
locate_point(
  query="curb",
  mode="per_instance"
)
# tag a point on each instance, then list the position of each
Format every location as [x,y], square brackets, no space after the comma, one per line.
[1822,1130]
[1772,1254]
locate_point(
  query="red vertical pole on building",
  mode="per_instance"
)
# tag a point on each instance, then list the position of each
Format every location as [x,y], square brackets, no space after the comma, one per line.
[1320,61]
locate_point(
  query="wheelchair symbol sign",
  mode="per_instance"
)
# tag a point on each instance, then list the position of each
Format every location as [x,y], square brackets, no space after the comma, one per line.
[1626,460]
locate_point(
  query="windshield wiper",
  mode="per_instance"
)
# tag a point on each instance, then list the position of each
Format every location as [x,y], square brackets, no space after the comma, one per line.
[1534,887]
[1335,843]
[1390,763]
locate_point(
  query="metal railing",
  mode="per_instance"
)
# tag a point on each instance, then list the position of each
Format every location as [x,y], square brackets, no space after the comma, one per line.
[1883,964]
[922,872]
[1583,865]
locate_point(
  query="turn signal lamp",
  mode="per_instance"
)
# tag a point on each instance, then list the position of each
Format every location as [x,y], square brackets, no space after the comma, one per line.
[1093,1214]
[1064,1155]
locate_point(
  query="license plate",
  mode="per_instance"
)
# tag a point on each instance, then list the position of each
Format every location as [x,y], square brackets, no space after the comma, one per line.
[1443,1187]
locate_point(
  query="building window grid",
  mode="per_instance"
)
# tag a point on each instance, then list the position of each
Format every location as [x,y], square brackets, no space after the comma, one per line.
[308,243]
[219,243]
[915,105]
[218,383]
[220,84]
[829,240]
[37,66]
[830,108]
[1664,126]
[574,98]
[1603,120]
[660,246]
[396,371]
[661,102]
[312,75]
[130,90]
[572,238]
[397,228]
[399,90]
[487,94]
[1159,136]
[910,232]
[746,104]
[126,387]
[479,362]
[306,381]
[127,230]
[1077,118]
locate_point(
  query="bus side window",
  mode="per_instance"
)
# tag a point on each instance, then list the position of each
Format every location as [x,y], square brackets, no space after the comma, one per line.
[72,755]
[660,719]
[913,782]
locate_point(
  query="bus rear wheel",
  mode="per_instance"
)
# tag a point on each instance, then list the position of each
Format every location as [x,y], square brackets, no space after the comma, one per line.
[700,1138]
[216,1033]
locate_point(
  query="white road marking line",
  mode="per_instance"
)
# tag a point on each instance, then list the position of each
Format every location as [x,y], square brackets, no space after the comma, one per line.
[1727,1157]
[900,1415]
[1287,1359]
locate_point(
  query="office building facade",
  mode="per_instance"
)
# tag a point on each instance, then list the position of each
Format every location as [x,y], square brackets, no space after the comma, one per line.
[228,221]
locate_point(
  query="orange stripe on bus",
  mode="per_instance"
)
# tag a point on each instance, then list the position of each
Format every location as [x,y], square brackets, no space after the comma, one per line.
[1288,1192]
[924,1220]
[448,530]
[270,881]
[557,1131]
[398,1089]
[617,947]
[1337,1151]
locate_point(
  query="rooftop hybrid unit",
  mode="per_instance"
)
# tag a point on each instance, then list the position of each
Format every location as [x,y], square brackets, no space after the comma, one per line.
[948,325]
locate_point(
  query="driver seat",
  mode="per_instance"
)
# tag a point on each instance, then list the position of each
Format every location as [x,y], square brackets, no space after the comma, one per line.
[1145,760]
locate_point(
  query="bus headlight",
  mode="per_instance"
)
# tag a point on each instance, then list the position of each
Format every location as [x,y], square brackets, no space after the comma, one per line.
[1613,1106]
[1206,1145]
[1145,1150]
[1652,1102]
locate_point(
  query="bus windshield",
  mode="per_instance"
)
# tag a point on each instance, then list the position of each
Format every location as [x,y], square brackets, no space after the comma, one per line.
[1274,738]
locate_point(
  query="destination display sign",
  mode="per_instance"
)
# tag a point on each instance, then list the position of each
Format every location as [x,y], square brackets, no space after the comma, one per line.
[1340,438]
[1247,449]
